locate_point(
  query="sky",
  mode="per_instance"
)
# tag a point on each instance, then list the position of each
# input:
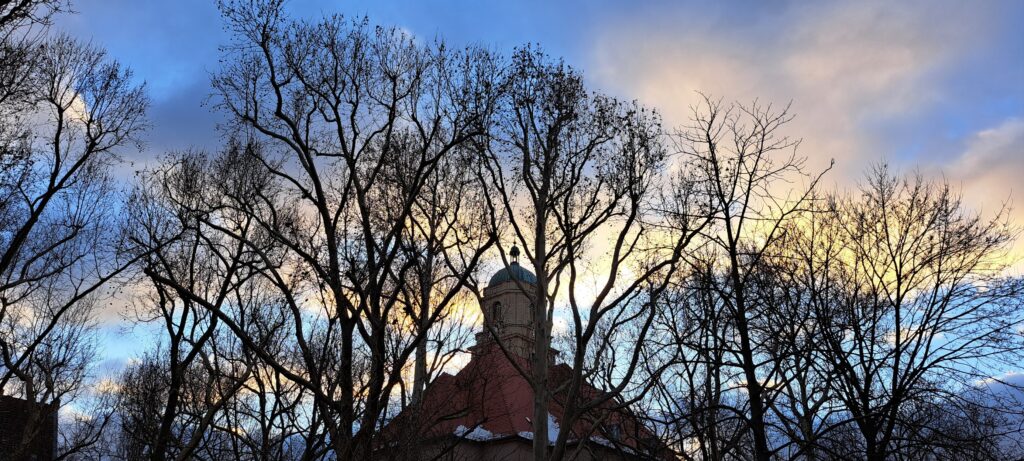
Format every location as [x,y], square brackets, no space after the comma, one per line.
[931,86]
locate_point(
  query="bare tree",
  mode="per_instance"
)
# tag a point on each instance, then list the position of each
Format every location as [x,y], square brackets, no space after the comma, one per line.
[876,319]
[354,123]
[695,405]
[568,169]
[923,311]
[793,278]
[65,110]
[170,230]
[15,14]
[23,27]
[448,219]
[741,163]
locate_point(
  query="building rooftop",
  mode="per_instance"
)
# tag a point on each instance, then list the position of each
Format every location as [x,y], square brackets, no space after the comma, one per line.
[513,272]
[489,401]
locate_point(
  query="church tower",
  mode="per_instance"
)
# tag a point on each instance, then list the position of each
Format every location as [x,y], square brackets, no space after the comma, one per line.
[484,411]
[508,309]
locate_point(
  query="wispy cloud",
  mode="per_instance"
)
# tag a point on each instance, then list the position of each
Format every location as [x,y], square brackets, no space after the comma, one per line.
[926,86]
[992,163]
[855,72]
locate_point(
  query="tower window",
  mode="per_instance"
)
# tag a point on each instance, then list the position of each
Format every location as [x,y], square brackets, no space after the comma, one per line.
[496,314]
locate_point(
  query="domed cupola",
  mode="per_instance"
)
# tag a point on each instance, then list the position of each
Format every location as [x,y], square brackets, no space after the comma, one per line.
[511,273]
[514,272]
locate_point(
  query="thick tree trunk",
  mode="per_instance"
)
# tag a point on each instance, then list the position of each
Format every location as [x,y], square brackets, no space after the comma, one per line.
[419,381]
[420,372]
[754,390]
[541,343]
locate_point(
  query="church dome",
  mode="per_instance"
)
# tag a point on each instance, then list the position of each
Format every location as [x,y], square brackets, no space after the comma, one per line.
[513,272]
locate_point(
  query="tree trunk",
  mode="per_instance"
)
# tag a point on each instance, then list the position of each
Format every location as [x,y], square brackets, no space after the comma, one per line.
[757,426]
[420,370]
[541,343]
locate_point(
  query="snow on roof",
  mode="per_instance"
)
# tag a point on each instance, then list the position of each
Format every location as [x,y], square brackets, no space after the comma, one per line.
[489,400]
[478,433]
[552,430]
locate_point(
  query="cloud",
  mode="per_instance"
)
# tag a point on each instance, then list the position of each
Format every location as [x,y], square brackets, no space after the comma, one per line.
[919,85]
[988,172]
[867,79]
[852,70]
[170,45]
[991,165]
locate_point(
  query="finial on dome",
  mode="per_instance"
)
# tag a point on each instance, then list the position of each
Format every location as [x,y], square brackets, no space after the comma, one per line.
[514,253]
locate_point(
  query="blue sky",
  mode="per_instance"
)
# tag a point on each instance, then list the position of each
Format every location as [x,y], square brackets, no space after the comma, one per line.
[928,85]
[934,85]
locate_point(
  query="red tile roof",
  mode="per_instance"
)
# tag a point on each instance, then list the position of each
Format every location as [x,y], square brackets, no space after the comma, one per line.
[489,400]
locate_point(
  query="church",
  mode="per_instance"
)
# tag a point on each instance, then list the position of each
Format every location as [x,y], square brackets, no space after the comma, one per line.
[484,411]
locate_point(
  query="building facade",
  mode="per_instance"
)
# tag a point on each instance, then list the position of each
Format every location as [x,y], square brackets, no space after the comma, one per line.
[28,430]
[484,411]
